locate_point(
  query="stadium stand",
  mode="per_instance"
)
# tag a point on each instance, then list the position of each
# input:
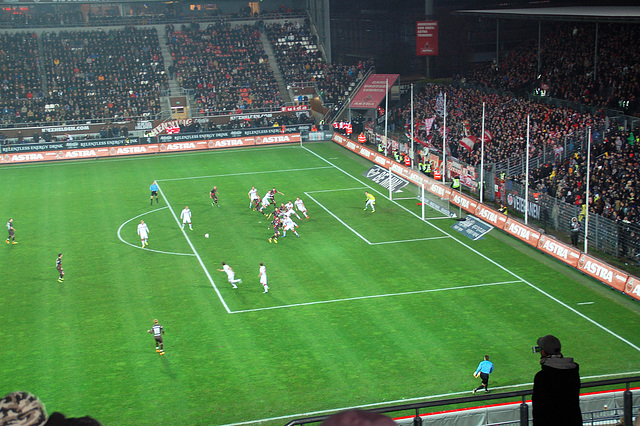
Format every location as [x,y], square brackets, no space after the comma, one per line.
[20,88]
[103,74]
[567,68]
[297,51]
[232,75]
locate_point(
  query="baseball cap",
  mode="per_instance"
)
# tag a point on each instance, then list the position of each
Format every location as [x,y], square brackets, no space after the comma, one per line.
[550,344]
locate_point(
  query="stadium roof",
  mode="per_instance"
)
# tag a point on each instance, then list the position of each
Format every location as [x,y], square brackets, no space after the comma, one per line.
[572,13]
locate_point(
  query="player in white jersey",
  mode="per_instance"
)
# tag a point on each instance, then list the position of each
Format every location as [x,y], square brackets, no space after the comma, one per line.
[289,225]
[263,277]
[288,211]
[143,231]
[186,217]
[253,196]
[300,206]
[265,203]
[231,275]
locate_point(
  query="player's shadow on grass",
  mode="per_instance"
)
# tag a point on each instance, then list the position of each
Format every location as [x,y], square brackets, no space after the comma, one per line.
[168,369]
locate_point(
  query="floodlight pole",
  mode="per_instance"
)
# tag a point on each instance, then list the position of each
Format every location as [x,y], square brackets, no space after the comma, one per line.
[444,143]
[586,216]
[386,115]
[526,182]
[482,158]
[412,152]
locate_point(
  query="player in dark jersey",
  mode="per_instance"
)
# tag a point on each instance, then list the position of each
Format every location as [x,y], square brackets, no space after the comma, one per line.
[256,203]
[12,232]
[59,267]
[277,226]
[273,192]
[157,332]
[214,196]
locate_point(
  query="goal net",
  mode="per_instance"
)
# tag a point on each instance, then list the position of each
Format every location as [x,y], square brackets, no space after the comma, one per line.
[417,198]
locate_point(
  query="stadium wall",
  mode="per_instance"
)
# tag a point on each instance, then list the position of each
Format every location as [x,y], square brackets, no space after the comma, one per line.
[134,146]
[601,271]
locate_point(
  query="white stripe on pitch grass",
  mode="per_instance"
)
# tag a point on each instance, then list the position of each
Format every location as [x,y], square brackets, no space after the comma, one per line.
[374,296]
[505,269]
[408,241]
[338,219]
[245,173]
[195,252]
[384,404]
[360,188]
[144,248]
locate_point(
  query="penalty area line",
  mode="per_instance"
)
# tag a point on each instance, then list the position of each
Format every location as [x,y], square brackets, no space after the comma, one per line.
[498,265]
[338,219]
[375,296]
[195,252]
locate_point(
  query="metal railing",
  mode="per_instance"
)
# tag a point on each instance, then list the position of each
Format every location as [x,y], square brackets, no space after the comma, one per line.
[522,395]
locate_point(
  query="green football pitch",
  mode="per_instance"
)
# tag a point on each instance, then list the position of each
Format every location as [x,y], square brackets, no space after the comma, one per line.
[364,309]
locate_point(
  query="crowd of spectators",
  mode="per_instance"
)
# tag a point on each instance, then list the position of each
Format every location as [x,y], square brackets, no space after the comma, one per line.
[296,51]
[20,85]
[337,81]
[614,177]
[225,66]
[505,122]
[102,74]
[567,66]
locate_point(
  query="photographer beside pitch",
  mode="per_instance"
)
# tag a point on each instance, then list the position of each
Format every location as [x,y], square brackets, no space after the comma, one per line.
[556,387]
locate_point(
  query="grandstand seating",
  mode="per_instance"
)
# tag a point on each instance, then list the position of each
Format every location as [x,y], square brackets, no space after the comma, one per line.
[567,66]
[20,86]
[233,73]
[103,74]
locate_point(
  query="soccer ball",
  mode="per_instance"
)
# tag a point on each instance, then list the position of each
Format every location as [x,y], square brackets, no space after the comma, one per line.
[206,235]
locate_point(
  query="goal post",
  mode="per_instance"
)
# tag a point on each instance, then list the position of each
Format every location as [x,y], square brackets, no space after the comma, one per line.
[431,206]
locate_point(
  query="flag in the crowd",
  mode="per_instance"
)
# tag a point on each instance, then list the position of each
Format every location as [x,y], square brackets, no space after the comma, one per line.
[487,137]
[468,142]
[173,130]
[443,130]
[440,105]
[428,123]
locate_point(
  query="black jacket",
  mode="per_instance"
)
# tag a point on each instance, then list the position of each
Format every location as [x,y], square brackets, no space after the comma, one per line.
[556,393]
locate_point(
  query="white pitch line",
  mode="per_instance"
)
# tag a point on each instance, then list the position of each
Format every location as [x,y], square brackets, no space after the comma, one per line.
[411,240]
[374,296]
[148,249]
[383,404]
[586,303]
[336,190]
[195,252]
[244,173]
[338,219]
[505,269]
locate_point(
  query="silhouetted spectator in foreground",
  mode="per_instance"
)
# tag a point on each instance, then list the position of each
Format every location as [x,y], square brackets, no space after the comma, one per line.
[556,387]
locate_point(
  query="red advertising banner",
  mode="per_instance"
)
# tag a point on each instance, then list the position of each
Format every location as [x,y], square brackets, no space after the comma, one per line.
[603,272]
[468,204]
[115,151]
[373,91]
[491,216]
[522,232]
[427,38]
[559,250]
[633,288]
[286,138]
